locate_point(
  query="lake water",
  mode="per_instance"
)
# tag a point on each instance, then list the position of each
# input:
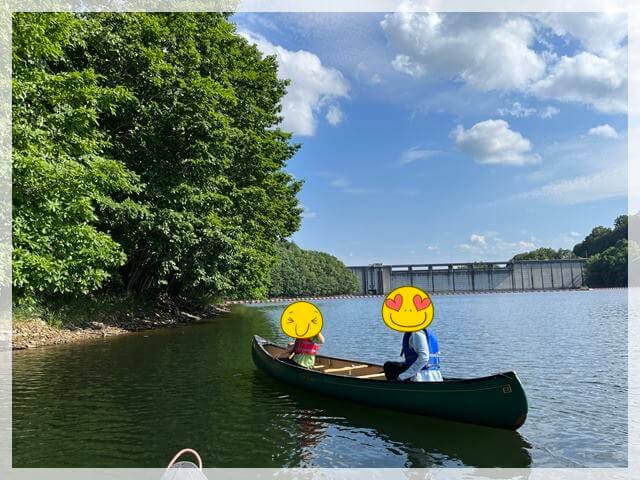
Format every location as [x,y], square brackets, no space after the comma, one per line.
[134,400]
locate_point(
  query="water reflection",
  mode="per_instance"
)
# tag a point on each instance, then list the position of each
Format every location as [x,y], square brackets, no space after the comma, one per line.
[134,401]
[407,440]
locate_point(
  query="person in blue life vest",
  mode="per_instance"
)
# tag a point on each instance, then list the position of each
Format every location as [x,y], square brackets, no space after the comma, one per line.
[410,310]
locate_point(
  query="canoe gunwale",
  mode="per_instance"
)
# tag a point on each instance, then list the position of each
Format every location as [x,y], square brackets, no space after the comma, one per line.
[262,342]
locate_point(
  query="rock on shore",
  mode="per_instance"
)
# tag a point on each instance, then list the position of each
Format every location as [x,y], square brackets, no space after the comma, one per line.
[35,332]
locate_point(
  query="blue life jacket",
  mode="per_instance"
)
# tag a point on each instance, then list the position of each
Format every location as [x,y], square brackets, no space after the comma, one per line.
[410,355]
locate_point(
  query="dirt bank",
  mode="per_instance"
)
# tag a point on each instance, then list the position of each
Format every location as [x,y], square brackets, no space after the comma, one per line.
[35,332]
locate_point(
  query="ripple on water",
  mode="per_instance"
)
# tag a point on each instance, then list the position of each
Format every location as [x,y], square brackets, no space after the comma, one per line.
[135,400]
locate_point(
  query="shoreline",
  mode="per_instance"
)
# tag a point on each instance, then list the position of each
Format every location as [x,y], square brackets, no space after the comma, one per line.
[35,332]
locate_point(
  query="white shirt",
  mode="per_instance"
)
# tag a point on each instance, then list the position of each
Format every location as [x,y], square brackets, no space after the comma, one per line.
[418,341]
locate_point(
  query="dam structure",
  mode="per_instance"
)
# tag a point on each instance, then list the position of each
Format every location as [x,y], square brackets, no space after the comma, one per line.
[527,275]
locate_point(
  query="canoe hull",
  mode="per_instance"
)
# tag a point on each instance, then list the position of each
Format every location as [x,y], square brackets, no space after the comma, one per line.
[497,401]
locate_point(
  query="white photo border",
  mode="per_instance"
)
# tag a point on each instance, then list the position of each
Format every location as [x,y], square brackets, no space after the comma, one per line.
[7,7]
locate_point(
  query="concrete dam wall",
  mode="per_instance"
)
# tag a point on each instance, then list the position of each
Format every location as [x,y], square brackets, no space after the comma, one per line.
[378,279]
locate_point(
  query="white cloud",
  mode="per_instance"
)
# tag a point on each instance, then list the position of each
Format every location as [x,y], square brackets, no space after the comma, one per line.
[604,131]
[344,184]
[496,52]
[307,213]
[433,248]
[588,78]
[363,73]
[375,79]
[514,247]
[478,240]
[313,86]
[549,112]
[493,142]
[334,115]
[413,154]
[579,156]
[340,182]
[610,183]
[568,240]
[517,110]
[486,52]
[600,32]
[596,76]
[526,245]
[490,244]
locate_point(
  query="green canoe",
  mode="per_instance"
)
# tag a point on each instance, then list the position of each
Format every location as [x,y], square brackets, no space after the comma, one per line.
[495,401]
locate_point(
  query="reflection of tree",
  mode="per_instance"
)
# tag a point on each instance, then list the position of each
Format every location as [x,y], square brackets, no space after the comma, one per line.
[166,389]
[291,432]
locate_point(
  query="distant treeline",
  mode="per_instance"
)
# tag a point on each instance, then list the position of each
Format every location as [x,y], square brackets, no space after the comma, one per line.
[307,272]
[607,251]
[544,253]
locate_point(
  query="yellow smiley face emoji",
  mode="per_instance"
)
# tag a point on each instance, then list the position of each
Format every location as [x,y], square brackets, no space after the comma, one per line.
[407,309]
[301,320]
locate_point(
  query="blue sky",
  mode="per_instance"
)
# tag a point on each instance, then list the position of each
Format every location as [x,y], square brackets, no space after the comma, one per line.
[451,137]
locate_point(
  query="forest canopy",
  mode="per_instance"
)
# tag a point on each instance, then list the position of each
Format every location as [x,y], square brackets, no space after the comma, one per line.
[147,157]
[607,250]
[300,273]
[544,253]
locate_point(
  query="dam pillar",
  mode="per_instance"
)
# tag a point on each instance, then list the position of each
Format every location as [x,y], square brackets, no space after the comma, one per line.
[385,284]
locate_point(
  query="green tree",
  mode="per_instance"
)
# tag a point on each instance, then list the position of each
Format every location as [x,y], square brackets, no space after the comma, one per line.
[202,133]
[301,273]
[608,252]
[147,148]
[62,174]
[601,238]
[544,253]
[609,268]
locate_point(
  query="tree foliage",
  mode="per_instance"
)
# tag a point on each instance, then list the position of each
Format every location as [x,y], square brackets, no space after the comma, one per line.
[544,253]
[609,268]
[202,134]
[609,251]
[146,149]
[61,173]
[301,273]
[601,238]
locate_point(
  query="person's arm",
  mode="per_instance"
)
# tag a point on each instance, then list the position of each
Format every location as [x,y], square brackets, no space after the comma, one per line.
[420,345]
[319,338]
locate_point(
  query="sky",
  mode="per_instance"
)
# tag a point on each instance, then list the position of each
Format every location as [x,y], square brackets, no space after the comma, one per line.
[451,137]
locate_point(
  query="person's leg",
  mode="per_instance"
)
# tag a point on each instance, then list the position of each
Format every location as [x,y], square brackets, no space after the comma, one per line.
[291,361]
[393,369]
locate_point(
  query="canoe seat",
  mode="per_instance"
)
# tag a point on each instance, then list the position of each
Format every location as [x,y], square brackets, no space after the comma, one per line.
[373,375]
[342,369]
[319,366]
